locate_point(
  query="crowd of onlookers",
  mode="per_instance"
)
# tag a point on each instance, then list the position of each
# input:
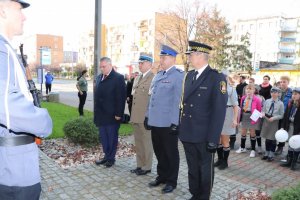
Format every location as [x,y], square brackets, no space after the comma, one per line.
[279,108]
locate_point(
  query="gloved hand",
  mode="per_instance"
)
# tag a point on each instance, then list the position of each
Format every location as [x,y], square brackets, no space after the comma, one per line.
[174,129]
[211,147]
[147,127]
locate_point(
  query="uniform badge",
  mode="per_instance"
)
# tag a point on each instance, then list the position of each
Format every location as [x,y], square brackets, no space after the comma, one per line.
[223,87]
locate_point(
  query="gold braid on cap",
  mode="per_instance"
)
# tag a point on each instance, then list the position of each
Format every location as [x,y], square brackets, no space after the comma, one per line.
[201,49]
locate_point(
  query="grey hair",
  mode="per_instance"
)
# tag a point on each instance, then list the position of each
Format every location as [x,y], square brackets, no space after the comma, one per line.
[106,59]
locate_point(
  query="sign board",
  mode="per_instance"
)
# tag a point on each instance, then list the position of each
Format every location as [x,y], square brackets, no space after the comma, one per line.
[40,75]
[46,56]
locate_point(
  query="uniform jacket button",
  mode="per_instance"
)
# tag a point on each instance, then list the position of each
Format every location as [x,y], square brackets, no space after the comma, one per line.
[190,116]
[199,95]
[191,105]
[183,114]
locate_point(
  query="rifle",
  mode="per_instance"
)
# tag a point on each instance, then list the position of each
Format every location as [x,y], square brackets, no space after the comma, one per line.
[32,88]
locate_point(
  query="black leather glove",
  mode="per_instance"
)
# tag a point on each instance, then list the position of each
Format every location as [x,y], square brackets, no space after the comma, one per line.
[147,127]
[211,147]
[174,129]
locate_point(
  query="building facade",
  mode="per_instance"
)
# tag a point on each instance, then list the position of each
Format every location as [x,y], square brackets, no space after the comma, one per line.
[126,42]
[273,39]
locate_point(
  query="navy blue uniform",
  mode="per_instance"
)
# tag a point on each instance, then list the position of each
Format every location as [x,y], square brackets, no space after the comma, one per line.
[203,113]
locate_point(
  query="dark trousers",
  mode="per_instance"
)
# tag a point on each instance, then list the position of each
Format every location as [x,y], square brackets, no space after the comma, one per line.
[270,145]
[20,193]
[109,140]
[48,88]
[200,170]
[165,146]
[82,99]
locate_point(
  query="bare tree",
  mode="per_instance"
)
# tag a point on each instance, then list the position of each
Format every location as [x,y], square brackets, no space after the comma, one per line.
[178,26]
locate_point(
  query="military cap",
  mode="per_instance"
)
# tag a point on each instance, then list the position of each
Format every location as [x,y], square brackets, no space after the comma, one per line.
[275,89]
[23,3]
[296,89]
[167,51]
[144,58]
[198,47]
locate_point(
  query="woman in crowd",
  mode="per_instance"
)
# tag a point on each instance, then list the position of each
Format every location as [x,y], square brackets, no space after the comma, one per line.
[230,124]
[265,87]
[291,123]
[249,103]
[273,111]
[82,87]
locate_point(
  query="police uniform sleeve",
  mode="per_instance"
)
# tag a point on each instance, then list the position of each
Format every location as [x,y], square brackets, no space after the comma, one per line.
[21,114]
[177,95]
[218,109]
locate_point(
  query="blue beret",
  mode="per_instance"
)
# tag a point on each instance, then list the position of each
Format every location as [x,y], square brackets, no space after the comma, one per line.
[144,58]
[198,47]
[296,89]
[167,51]
[24,4]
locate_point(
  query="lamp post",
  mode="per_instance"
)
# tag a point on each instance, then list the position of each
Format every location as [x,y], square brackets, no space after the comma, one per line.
[97,41]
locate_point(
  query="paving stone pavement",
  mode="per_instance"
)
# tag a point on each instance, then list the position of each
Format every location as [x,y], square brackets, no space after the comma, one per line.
[93,182]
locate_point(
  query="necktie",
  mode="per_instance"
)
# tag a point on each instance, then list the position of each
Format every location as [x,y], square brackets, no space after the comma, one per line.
[195,76]
[271,110]
[246,104]
[164,72]
[104,77]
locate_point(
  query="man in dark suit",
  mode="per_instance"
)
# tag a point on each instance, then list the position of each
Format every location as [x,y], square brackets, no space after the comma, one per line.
[110,96]
[202,116]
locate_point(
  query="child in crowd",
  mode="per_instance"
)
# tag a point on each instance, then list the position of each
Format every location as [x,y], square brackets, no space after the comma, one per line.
[249,103]
[230,124]
[259,125]
[291,123]
[273,111]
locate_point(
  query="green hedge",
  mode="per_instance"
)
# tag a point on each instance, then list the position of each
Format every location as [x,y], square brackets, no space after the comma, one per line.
[82,131]
[292,193]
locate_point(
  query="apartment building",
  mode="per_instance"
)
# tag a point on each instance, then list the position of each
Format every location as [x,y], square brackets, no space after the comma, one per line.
[126,42]
[275,45]
[86,47]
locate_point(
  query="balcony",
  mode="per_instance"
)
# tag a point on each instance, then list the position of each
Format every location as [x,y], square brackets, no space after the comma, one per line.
[286,60]
[288,29]
[286,39]
[286,50]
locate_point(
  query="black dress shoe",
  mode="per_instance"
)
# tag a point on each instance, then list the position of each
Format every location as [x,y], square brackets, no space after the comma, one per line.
[109,164]
[264,158]
[270,159]
[142,172]
[155,183]
[135,170]
[100,162]
[168,189]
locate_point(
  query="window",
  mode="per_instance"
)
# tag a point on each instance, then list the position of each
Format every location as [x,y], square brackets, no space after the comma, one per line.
[251,26]
[260,25]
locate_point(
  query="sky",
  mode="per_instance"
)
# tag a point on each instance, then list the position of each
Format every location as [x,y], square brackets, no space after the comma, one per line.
[72,17]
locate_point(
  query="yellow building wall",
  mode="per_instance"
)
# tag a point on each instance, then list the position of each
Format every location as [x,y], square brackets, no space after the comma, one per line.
[275,76]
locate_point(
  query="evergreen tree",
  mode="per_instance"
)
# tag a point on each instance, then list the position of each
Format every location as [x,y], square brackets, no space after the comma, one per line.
[240,57]
[212,29]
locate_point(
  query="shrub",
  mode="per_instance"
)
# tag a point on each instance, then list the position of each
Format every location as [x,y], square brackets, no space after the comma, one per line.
[82,130]
[287,193]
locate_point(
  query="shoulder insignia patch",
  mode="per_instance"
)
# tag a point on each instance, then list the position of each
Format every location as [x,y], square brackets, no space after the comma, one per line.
[223,87]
